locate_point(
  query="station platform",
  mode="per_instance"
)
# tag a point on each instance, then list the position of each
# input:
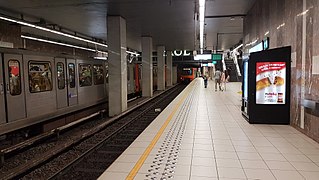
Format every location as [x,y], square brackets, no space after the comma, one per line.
[202,135]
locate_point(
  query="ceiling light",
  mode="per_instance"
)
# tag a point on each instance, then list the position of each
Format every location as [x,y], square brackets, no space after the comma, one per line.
[61,44]
[203,57]
[133,53]
[50,30]
[100,58]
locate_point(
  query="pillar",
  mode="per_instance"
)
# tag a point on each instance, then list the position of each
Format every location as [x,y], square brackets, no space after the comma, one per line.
[169,63]
[174,74]
[160,68]
[116,38]
[147,67]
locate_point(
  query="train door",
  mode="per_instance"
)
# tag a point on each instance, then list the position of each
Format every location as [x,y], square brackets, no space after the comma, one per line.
[15,94]
[61,89]
[72,88]
[2,102]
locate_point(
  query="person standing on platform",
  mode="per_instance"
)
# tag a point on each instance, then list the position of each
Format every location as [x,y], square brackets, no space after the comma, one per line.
[223,80]
[205,80]
[217,77]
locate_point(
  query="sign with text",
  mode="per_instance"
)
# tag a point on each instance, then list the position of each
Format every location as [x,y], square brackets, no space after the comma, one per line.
[217,57]
[270,82]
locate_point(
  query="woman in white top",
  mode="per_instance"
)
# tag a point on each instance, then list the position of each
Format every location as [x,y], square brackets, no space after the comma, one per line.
[223,80]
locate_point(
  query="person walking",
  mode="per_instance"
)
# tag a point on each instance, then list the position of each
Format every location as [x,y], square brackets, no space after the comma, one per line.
[223,80]
[205,80]
[217,77]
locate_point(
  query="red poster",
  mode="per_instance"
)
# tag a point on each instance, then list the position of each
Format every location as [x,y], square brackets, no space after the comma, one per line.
[270,82]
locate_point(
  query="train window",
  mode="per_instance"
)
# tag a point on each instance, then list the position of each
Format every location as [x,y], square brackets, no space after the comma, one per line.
[98,76]
[71,75]
[60,75]
[14,77]
[85,75]
[187,71]
[40,76]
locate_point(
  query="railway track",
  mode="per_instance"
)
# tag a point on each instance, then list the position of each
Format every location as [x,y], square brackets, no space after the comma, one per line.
[85,154]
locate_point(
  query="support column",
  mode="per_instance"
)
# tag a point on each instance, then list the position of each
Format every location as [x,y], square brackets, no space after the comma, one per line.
[169,63]
[116,38]
[174,74]
[160,68]
[147,65]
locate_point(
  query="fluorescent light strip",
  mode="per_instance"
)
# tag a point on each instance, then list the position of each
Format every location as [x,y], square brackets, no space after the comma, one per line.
[130,52]
[51,30]
[203,57]
[61,44]
[100,58]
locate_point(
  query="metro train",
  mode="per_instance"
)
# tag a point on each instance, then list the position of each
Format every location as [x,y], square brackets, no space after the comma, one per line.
[187,74]
[134,79]
[39,91]
[36,87]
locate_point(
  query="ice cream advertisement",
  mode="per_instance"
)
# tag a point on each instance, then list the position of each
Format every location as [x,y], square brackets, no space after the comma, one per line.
[270,82]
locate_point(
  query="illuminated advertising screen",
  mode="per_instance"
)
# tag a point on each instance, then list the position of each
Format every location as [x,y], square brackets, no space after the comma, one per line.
[246,80]
[270,82]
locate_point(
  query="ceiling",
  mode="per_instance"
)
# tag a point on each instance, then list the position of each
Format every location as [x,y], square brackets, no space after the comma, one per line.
[170,22]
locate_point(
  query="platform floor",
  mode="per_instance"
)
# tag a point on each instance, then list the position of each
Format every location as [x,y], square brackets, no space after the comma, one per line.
[201,135]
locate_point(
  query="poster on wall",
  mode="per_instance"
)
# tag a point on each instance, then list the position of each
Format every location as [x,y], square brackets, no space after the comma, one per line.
[270,82]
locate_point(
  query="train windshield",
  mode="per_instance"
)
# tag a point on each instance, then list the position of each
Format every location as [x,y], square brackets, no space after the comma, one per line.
[187,71]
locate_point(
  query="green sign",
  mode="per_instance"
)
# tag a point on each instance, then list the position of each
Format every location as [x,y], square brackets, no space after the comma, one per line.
[217,57]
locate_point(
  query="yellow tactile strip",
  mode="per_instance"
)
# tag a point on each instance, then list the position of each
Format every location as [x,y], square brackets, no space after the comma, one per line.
[150,147]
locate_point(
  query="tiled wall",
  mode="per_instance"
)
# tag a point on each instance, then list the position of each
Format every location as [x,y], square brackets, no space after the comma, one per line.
[292,23]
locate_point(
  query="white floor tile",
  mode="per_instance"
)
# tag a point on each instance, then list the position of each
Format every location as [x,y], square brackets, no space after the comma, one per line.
[203,161]
[184,160]
[248,156]
[260,174]
[296,158]
[267,150]
[253,164]
[314,158]
[203,141]
[245,149]
[203,153]
[226,155]
[200,178]
[224,148]
[203,147]
[182,170]
[203,171]
[304,166]
[310,175]
[176,177]
[285,175]
[228,163]
[231,173]
[121,167]
[242,143]
[272,157]
[279,165]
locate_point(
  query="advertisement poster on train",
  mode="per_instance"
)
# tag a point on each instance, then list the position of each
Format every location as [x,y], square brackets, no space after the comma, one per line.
[270,82]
